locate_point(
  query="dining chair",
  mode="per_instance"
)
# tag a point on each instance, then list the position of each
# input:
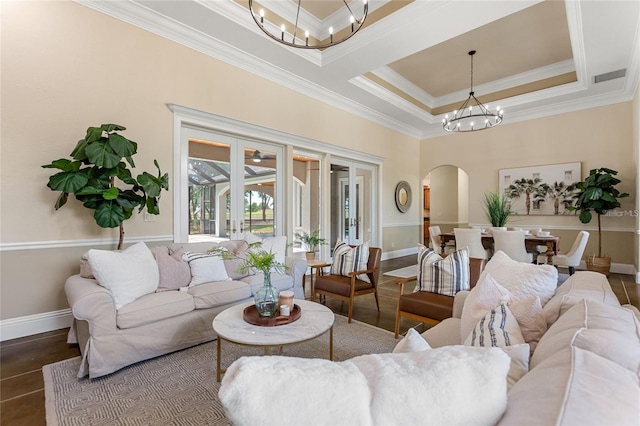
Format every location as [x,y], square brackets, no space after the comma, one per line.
[471,238]
[572,258]
[512,243]
[346,288]
[434,235]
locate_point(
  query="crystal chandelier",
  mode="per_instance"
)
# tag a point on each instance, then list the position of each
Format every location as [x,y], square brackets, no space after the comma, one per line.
[469,118]
[295,38]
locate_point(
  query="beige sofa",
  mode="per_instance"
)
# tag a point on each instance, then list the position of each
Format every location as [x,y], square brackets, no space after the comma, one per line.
[159,322]
[583,371]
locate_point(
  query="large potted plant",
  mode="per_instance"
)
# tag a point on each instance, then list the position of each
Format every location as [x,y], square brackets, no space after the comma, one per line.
[598,194]
[99,178]
[310,242]
[496,206]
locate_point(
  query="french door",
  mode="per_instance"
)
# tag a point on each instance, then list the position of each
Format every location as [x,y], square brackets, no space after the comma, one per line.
[353,196]
[234,186]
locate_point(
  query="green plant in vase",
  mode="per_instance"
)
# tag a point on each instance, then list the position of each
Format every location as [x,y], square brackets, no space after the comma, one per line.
[310,242]
[497,208]
[255,258]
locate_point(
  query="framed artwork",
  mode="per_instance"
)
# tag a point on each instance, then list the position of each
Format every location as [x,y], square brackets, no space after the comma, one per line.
[541,190]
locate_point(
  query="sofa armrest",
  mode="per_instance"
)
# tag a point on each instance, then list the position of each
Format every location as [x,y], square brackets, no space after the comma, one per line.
[92,303]
[297,268]
[458,303]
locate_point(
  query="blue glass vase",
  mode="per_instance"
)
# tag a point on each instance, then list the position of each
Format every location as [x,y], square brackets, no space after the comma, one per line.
[266,298]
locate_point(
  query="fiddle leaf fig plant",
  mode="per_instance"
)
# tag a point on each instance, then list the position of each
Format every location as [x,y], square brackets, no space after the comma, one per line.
[98,176]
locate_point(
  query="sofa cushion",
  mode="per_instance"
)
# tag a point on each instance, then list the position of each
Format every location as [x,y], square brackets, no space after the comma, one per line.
[348,259]
[581,285]
[443,276]
[174,271]
[219,293]
[154,307]
[611,332]
[575,387]
[278,280]
[523,279]
[205,268]
[128,274]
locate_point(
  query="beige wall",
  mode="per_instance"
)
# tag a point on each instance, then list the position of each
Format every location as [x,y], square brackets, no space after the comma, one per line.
[598,137]
[636,162]
[66,67]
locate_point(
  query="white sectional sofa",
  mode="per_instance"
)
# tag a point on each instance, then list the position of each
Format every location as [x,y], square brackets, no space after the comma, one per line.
[158,322]
[584,369]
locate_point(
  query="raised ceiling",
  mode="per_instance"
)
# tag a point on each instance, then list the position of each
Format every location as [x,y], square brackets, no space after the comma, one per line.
[409,65]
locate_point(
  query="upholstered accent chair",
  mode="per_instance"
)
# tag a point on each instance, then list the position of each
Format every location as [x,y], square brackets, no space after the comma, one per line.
[472,239]
[572,258]
[346,288]
[512,243]
[427,307]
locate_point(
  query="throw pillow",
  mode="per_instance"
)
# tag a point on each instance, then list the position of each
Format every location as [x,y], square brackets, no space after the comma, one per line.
[443,276]
[523,279]
[128,274]
[205,268]
[486,295]
[276,245]
[232,265]
[174,272]
[497,328]
[412,342]
[85,268]
[350,259]
[528,312]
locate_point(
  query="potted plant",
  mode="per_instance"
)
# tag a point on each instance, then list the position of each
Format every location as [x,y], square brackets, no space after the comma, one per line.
[598,193]
[99,178]
[496,206]
[266,297]
[310,242]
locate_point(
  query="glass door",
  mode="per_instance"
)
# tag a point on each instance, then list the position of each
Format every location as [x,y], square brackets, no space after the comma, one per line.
[351,200]
[232,187]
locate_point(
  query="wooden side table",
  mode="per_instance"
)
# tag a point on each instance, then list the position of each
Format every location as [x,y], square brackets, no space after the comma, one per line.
[316,268]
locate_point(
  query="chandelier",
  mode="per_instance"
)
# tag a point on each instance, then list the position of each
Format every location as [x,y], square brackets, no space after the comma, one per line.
[469,118]
[295,38]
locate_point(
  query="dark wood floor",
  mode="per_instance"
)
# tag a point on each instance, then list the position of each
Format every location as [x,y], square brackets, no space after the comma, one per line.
[21,360]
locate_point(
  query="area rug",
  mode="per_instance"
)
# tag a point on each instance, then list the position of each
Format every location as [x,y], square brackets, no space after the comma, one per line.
[180,388]
[406,272]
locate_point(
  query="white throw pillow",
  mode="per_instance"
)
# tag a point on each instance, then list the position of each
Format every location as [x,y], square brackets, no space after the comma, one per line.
[528,312]
[128,274]
[276,245]
[486,295]
[445,276]
[523,279]
[412,342]
[205,268]
[348,259]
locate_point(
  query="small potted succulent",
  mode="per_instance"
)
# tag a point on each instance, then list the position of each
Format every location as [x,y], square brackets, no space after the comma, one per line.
[310,242]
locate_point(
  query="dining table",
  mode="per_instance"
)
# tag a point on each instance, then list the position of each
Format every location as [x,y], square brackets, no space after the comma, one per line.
[531,243]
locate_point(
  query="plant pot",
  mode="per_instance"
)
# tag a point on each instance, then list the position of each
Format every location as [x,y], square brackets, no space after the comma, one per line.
[311,255]
[599,264]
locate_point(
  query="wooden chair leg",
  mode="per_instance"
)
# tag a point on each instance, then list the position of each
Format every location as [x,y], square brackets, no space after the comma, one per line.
[350,309]
[377,303]
[397,328]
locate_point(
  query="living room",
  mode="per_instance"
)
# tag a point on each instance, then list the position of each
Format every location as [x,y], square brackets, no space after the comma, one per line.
[66,67]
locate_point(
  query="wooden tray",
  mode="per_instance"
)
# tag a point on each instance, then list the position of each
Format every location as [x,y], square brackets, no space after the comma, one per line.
[250,315]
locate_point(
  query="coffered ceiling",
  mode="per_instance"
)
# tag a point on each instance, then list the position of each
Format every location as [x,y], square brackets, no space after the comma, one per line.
[409,65]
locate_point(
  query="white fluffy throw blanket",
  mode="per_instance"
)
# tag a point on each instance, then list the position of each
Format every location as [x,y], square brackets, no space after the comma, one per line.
[453,385]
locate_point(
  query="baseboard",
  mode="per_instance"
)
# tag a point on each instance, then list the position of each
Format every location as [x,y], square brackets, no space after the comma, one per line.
[14,328]
[399,253]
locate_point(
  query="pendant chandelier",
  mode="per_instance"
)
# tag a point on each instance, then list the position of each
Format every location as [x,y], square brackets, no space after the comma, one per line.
[472,116]
[296,38]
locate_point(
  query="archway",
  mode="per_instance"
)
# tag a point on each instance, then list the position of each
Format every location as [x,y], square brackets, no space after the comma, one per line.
[446,199]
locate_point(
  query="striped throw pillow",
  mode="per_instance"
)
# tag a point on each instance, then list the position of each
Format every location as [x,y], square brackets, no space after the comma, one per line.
[498,328]
[443,276]
[349,259]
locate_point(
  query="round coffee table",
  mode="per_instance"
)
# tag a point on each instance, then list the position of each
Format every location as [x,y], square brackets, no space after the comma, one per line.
[314,321]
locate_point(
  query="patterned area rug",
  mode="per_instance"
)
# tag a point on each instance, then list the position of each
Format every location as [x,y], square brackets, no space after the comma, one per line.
[180,388]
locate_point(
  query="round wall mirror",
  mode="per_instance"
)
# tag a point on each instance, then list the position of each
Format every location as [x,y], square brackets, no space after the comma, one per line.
[403,196]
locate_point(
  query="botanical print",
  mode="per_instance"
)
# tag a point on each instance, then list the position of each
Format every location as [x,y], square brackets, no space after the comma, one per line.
[541,190]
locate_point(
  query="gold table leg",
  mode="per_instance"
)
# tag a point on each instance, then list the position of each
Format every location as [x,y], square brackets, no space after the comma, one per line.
[331,343]
[219,370]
